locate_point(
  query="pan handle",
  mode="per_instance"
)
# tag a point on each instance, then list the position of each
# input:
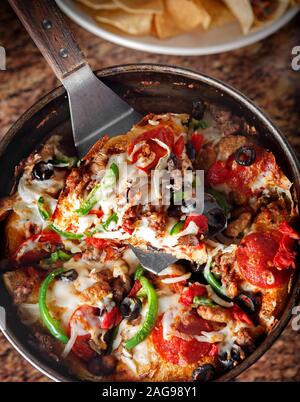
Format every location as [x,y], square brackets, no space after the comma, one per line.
[47,26]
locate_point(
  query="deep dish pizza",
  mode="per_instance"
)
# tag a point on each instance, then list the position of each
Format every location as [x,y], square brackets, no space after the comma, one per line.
[88,301]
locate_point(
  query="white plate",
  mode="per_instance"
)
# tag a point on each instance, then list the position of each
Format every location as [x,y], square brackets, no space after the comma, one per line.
[217,40]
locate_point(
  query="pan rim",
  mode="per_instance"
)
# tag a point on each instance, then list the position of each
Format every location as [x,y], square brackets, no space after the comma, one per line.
[256,111]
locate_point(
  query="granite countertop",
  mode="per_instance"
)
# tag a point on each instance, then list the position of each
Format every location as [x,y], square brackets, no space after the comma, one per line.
[261,71]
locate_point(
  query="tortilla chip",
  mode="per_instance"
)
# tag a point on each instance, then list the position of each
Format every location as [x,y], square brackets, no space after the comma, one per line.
[99,4]
[140,6]
[187,14]
[242,10]
[219,13]
[133,24]
[164,27]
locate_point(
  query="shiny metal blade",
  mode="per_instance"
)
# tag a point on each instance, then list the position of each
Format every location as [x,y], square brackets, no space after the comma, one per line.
[95,109]
[154,261]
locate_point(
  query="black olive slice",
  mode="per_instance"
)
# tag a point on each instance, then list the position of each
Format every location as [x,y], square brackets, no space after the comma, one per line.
[204,373]
[229,361]
[42,171]
[249,302]
[69,276]
[130,308]
[198,110]
[245,156]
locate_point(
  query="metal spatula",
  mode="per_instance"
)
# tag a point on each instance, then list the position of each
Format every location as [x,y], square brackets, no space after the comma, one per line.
[95,109]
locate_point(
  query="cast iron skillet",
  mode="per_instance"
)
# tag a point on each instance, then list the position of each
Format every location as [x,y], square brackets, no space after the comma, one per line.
[148,88]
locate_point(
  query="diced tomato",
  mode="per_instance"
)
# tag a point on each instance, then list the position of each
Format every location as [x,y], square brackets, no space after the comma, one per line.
[77,256]
[197,141]
[82,317]
[214,351]
[187,296]
[239,315]
[136,287]
[49,237]
[285,256]
[179,147]
[182,351]
[200,220]
[97,243]
[97,212]
[111,319]
[264,258]
[128,229]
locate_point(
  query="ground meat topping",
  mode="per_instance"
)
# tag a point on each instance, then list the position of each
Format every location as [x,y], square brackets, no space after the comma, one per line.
[229,144]
[237,226]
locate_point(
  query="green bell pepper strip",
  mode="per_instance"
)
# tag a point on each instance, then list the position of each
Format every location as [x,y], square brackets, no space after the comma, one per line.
[115,170]
[139,272]
[150,318]
[45,214]
[52,324]
[64,161]
[196,124]
[142,294]
[214,283]
[112,218]
[60,256]
[103,227]
[202,301]
[65,234]
[110,178]
[177,228]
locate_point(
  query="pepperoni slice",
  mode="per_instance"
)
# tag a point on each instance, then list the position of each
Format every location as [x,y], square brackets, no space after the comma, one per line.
[81,317]
[163,134]
[180,351]
[36,248]
[241,178]
[264,258]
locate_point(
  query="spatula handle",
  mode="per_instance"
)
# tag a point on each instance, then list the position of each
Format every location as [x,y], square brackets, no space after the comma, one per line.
[48,28]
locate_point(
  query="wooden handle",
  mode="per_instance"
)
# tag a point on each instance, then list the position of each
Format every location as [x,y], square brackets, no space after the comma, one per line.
[47,27]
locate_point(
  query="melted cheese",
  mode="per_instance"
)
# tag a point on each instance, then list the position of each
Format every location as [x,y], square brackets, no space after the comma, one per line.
[63,299]
[29,313]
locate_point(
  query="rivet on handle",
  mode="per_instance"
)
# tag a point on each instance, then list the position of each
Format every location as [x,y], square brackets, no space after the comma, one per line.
[63,52]
[47,24]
